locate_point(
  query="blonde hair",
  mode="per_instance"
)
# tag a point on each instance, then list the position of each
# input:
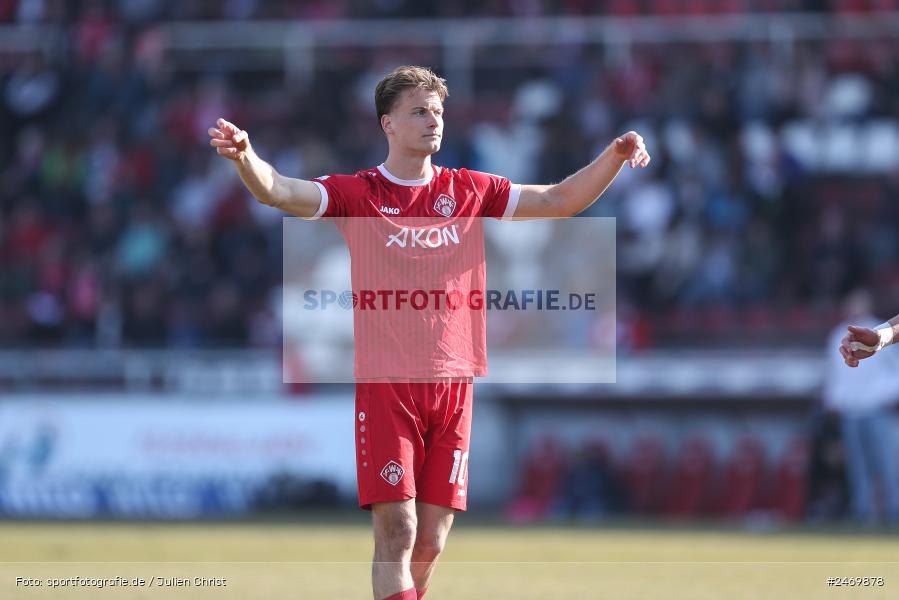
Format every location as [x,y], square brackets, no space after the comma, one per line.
[405,78]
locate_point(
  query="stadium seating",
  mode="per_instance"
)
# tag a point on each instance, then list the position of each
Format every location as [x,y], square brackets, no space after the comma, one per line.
[743,479]
[540,475]
[790,481]
[691,479]
[644,470]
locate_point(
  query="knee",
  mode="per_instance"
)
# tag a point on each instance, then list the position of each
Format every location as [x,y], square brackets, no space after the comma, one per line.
[428,547]
[395,537]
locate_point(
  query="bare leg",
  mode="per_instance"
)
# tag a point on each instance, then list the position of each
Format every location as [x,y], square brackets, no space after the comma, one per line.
[434,523]
[394,528]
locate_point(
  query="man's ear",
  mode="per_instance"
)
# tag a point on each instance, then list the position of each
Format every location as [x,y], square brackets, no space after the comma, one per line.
[386,125]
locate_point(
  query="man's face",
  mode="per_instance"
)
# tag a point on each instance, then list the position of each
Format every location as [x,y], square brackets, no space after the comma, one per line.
[416,121]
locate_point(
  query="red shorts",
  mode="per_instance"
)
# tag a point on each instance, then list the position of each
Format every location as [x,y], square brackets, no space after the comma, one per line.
[412,441]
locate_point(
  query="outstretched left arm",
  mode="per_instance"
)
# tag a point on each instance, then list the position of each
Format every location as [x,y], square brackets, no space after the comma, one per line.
[582,189]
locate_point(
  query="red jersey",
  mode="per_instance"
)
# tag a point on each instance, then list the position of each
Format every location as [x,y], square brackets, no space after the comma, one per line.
[418,267]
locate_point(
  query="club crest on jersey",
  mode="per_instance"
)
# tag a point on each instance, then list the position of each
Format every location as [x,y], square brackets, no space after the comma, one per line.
[392,472]
[445,205]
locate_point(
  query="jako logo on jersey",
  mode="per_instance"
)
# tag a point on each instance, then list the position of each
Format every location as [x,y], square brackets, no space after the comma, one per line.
[424,238]
[392,473]
[445,205]
[390,211]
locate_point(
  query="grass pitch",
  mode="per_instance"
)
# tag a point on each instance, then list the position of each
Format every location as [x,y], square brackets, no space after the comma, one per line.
[331,560]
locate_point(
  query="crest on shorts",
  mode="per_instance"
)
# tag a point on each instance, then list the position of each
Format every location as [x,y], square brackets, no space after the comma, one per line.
[392,472]
[445,205]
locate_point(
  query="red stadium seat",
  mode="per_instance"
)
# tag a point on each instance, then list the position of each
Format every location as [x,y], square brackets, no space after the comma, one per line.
[790,481]
[742,479]
[643,470]
[541,474]
[692,478]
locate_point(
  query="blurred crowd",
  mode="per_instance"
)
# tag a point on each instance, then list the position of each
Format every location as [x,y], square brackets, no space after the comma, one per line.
[711,472]
[592,480]
[771,191]
[142,11]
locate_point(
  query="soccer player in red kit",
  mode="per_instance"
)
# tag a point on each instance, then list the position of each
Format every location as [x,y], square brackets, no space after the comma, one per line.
[413,425]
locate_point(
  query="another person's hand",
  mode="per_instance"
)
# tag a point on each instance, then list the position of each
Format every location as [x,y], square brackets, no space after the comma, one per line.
[855,344]
[630,147]
[229,140]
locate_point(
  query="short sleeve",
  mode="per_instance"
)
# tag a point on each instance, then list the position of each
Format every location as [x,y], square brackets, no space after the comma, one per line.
[498,196]
[339,195]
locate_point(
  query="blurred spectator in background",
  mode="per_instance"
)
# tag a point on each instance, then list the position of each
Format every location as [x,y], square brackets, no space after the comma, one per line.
[864,399]
[828,493]
[744,218]
[591,489]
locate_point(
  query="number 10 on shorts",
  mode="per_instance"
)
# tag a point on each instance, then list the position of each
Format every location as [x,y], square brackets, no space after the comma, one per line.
[460,463]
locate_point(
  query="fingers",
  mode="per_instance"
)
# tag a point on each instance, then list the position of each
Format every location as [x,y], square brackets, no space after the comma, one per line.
[851,351]
[639,156]
[848,358]
[646,160]
[846,353]
[228,128]
[226,138]
[235,135]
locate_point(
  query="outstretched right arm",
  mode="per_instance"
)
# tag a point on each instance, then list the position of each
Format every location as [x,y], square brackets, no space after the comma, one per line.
[295,196]
[861,342]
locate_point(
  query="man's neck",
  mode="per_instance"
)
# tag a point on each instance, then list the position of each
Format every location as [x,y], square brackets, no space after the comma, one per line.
[408,167]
